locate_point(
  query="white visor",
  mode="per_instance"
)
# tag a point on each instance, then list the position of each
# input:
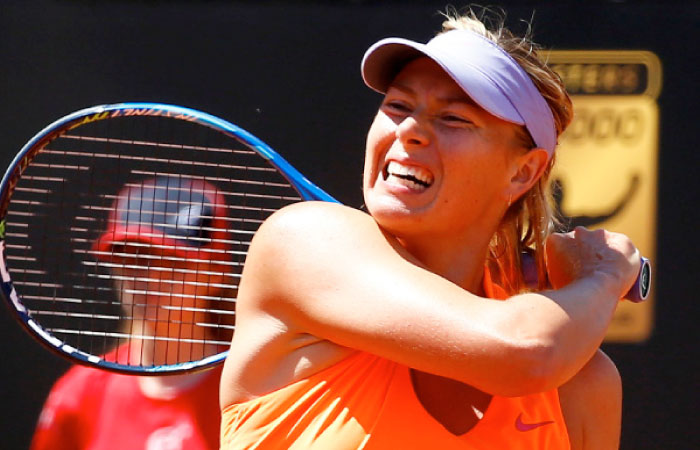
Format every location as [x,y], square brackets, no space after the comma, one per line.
[489,75]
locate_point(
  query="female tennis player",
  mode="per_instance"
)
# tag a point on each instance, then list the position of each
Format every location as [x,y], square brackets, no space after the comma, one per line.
[384,330]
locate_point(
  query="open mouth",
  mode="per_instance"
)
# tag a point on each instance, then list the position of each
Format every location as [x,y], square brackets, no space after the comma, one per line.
[409,176]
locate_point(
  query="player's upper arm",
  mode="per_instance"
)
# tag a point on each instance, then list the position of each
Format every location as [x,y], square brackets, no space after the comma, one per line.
[592,405]
[329,271]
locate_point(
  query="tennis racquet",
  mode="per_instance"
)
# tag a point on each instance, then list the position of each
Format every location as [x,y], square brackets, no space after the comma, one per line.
[124,229]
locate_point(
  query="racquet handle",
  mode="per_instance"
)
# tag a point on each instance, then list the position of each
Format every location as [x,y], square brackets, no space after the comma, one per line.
[642,285]
[638,293]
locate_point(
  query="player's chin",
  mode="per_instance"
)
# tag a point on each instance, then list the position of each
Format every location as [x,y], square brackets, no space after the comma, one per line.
[394,213]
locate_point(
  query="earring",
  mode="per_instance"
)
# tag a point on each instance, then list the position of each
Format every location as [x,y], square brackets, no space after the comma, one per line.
[510,199]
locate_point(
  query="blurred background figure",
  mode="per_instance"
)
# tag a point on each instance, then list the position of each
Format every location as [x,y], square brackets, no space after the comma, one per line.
[165,250]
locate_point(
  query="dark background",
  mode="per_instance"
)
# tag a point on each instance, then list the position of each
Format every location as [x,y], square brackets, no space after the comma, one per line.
[289,73]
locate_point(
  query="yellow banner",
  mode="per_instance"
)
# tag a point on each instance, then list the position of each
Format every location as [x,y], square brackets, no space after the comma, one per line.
[607,162]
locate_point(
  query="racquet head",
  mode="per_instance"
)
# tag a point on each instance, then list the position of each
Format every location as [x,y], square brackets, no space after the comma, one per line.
[124,229]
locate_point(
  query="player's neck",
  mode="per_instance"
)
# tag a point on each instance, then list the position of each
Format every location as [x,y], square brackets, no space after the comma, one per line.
[460,262]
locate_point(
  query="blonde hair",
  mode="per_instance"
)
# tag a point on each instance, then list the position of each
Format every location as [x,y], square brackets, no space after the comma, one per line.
[529,220]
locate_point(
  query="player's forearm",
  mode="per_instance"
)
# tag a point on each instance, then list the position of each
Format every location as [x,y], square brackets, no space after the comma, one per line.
[566,327]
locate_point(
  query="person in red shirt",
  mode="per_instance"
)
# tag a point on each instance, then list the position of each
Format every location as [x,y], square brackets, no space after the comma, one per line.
[90,408]
[94,409]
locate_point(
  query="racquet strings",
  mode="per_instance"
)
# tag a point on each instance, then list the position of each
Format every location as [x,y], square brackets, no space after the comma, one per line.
[137,304]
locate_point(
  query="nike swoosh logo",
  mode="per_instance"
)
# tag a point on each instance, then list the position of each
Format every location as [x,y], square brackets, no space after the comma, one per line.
[520,426]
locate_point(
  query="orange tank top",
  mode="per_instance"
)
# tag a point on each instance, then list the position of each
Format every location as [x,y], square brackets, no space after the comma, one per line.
[368,402]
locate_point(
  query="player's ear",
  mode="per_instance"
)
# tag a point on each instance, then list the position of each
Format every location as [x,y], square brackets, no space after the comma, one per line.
[528,168]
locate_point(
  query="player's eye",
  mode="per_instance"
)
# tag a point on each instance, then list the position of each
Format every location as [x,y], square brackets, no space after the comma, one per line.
[455,119]
[396,107]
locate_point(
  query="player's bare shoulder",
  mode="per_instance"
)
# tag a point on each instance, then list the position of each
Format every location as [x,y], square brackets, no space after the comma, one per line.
[309,227]
[312,216]
[300,243]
